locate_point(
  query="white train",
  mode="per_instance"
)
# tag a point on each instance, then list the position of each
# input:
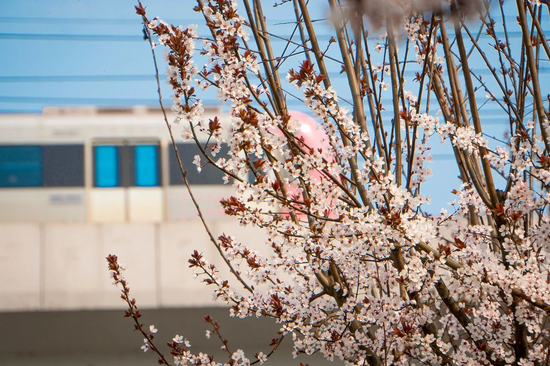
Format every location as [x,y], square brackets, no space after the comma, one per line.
[77,184]
[99,165]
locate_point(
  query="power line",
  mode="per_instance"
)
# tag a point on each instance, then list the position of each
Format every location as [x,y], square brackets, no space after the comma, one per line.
[99,21]
[79,21]
[72,37]
[21,111]
[99,101]
[80,101]
[488,116]
[137,20]
[146,77]
[111,101]
[136,38]
[73,78]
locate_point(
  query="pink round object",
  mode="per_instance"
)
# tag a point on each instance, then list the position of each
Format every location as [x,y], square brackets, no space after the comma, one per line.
[314,137]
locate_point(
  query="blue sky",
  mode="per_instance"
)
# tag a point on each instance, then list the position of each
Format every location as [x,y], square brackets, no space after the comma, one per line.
[67,52]
[70,52]
[91,52]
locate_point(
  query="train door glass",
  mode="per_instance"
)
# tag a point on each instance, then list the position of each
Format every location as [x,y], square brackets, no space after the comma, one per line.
[126,182]
[106,166]
[146,165]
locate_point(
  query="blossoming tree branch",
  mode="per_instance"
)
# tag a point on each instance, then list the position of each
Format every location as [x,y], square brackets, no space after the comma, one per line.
[358,270]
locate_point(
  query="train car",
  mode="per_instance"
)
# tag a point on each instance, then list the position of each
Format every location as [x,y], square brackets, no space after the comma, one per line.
[100,165]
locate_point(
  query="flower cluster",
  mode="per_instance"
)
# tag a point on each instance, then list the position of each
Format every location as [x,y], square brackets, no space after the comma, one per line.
[353,267]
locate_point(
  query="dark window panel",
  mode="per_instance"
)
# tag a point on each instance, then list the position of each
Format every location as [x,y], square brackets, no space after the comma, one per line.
[20,166]
[63,165]
[126,166]
[209,173]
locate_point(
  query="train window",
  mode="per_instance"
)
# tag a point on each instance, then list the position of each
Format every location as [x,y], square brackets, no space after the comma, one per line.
[106,166]
[146,165]
[20,166]
[126,166]
[187,152]
[63,165]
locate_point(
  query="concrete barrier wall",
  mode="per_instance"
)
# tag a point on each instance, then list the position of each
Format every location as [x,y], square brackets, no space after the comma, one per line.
[62,266]
[21,286]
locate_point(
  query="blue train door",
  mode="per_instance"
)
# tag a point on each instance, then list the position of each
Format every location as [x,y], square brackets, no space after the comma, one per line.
[127,181]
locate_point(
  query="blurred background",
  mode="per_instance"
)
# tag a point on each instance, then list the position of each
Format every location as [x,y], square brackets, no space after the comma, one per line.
[86,170]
